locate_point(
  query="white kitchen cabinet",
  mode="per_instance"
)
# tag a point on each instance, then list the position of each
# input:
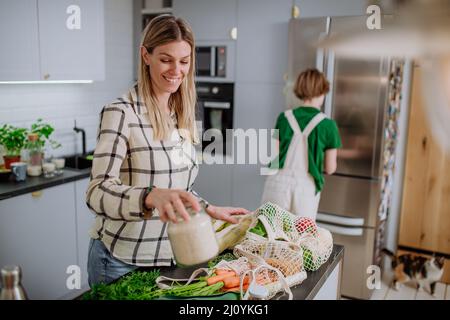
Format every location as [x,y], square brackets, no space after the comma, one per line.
[19,56]
[37,232]
[52,40]
[262,42]
[72,44]
[331,289]
[85,220]
[209,19]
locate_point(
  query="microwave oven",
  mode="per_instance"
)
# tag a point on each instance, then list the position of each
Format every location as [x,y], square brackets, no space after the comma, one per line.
[211,61]
[214,61]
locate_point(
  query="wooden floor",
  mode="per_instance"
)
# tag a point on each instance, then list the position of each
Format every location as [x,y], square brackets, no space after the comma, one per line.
[409,292]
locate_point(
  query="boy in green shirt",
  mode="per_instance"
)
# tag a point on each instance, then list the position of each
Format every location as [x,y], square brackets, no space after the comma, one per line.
[308,143]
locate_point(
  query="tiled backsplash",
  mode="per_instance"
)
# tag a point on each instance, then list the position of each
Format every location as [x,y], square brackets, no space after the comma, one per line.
[62,104]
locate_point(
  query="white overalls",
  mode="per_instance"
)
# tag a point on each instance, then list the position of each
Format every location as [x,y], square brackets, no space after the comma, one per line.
[292,187]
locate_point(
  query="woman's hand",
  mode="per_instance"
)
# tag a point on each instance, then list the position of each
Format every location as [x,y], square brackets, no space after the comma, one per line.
[170,201]
[225,213]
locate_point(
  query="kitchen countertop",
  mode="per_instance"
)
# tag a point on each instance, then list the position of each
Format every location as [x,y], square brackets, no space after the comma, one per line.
[12,188]
[307,290]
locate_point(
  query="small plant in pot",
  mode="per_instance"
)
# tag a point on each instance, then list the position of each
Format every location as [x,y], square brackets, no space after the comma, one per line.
[13,140]
[38,137]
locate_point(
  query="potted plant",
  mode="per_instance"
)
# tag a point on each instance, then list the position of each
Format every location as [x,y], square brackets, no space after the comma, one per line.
[38,137]
[13,140]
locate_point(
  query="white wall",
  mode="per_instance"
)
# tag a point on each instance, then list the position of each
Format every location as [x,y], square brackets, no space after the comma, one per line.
[61,104]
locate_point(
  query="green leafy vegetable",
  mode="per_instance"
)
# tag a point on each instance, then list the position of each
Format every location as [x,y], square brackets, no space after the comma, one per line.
[138,285]
[141,285]
[259,229]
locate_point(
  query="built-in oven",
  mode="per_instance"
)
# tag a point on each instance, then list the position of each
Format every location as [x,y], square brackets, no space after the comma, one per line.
[214,61]
[215,104]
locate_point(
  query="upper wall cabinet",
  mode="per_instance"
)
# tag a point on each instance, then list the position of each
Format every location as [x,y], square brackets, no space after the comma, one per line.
[209,19]
[19,56]
[262,43]
[52,40]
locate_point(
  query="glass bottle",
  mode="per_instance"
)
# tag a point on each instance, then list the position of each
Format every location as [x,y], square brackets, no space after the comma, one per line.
[11,286]
[193,242]
[34,150]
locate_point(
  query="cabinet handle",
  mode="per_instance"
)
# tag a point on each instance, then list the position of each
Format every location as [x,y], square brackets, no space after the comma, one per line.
[295,12]
[36,194]
[233,33]
[46,76]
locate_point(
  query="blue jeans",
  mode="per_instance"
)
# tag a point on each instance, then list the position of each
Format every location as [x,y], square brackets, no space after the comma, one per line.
[102,266]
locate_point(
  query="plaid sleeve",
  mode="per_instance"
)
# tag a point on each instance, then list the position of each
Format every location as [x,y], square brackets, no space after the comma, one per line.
[106,195]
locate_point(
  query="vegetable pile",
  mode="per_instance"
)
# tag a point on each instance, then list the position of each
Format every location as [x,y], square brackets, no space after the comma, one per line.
[141,285]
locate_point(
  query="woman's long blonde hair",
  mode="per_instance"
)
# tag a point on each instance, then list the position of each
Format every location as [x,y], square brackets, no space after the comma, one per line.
[162,30]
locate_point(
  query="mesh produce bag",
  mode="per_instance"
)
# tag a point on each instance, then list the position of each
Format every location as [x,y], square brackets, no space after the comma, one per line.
[259,273]
[316,243]
[284,256]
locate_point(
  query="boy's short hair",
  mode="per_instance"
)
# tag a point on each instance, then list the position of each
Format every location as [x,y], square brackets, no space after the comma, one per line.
[311,83]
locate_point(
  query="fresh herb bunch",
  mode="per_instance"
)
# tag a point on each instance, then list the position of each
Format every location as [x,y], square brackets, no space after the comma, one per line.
[141,285]
[138,285]
[44,131]
[13,139]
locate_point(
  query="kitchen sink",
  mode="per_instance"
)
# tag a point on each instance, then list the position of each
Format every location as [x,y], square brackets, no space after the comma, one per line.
[78,161]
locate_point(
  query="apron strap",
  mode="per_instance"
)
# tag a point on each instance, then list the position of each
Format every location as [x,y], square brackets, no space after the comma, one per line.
[292,121]
[313,123]
[309,127]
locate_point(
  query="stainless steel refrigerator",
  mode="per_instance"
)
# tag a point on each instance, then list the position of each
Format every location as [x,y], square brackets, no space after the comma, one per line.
[351,205]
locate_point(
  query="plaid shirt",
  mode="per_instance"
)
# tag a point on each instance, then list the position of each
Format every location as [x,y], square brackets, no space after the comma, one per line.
[127,160]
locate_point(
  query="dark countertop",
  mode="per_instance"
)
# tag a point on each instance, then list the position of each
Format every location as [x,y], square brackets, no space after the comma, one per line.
[11,188]
[307,290]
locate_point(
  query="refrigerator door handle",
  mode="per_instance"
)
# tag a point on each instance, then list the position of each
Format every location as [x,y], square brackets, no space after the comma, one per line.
[330,77]
[344,231]
[347,221]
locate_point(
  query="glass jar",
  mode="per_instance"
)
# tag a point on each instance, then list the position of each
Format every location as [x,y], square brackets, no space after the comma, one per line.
[34,149]
[193,242]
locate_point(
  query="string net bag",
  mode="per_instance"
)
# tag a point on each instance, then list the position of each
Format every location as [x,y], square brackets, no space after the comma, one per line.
[316,243]
[256,272]
[277,265]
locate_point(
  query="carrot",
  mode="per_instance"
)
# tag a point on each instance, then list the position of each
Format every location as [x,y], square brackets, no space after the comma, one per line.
[237,289]
[223,271]
[234,281]
[214,279]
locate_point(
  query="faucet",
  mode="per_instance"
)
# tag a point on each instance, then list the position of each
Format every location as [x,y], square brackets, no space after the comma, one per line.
[83,136]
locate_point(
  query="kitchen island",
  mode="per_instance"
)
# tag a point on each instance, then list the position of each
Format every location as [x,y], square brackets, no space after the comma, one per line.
[323,284]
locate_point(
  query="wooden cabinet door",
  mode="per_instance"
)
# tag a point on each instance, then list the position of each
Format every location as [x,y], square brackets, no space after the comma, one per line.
[425,214]
[19,54]
[71,39]
[37,232]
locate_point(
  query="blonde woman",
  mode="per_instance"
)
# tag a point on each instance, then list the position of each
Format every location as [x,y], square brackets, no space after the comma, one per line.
[144,164]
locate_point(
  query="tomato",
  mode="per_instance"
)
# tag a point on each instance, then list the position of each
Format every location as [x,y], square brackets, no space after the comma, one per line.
[304,224]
